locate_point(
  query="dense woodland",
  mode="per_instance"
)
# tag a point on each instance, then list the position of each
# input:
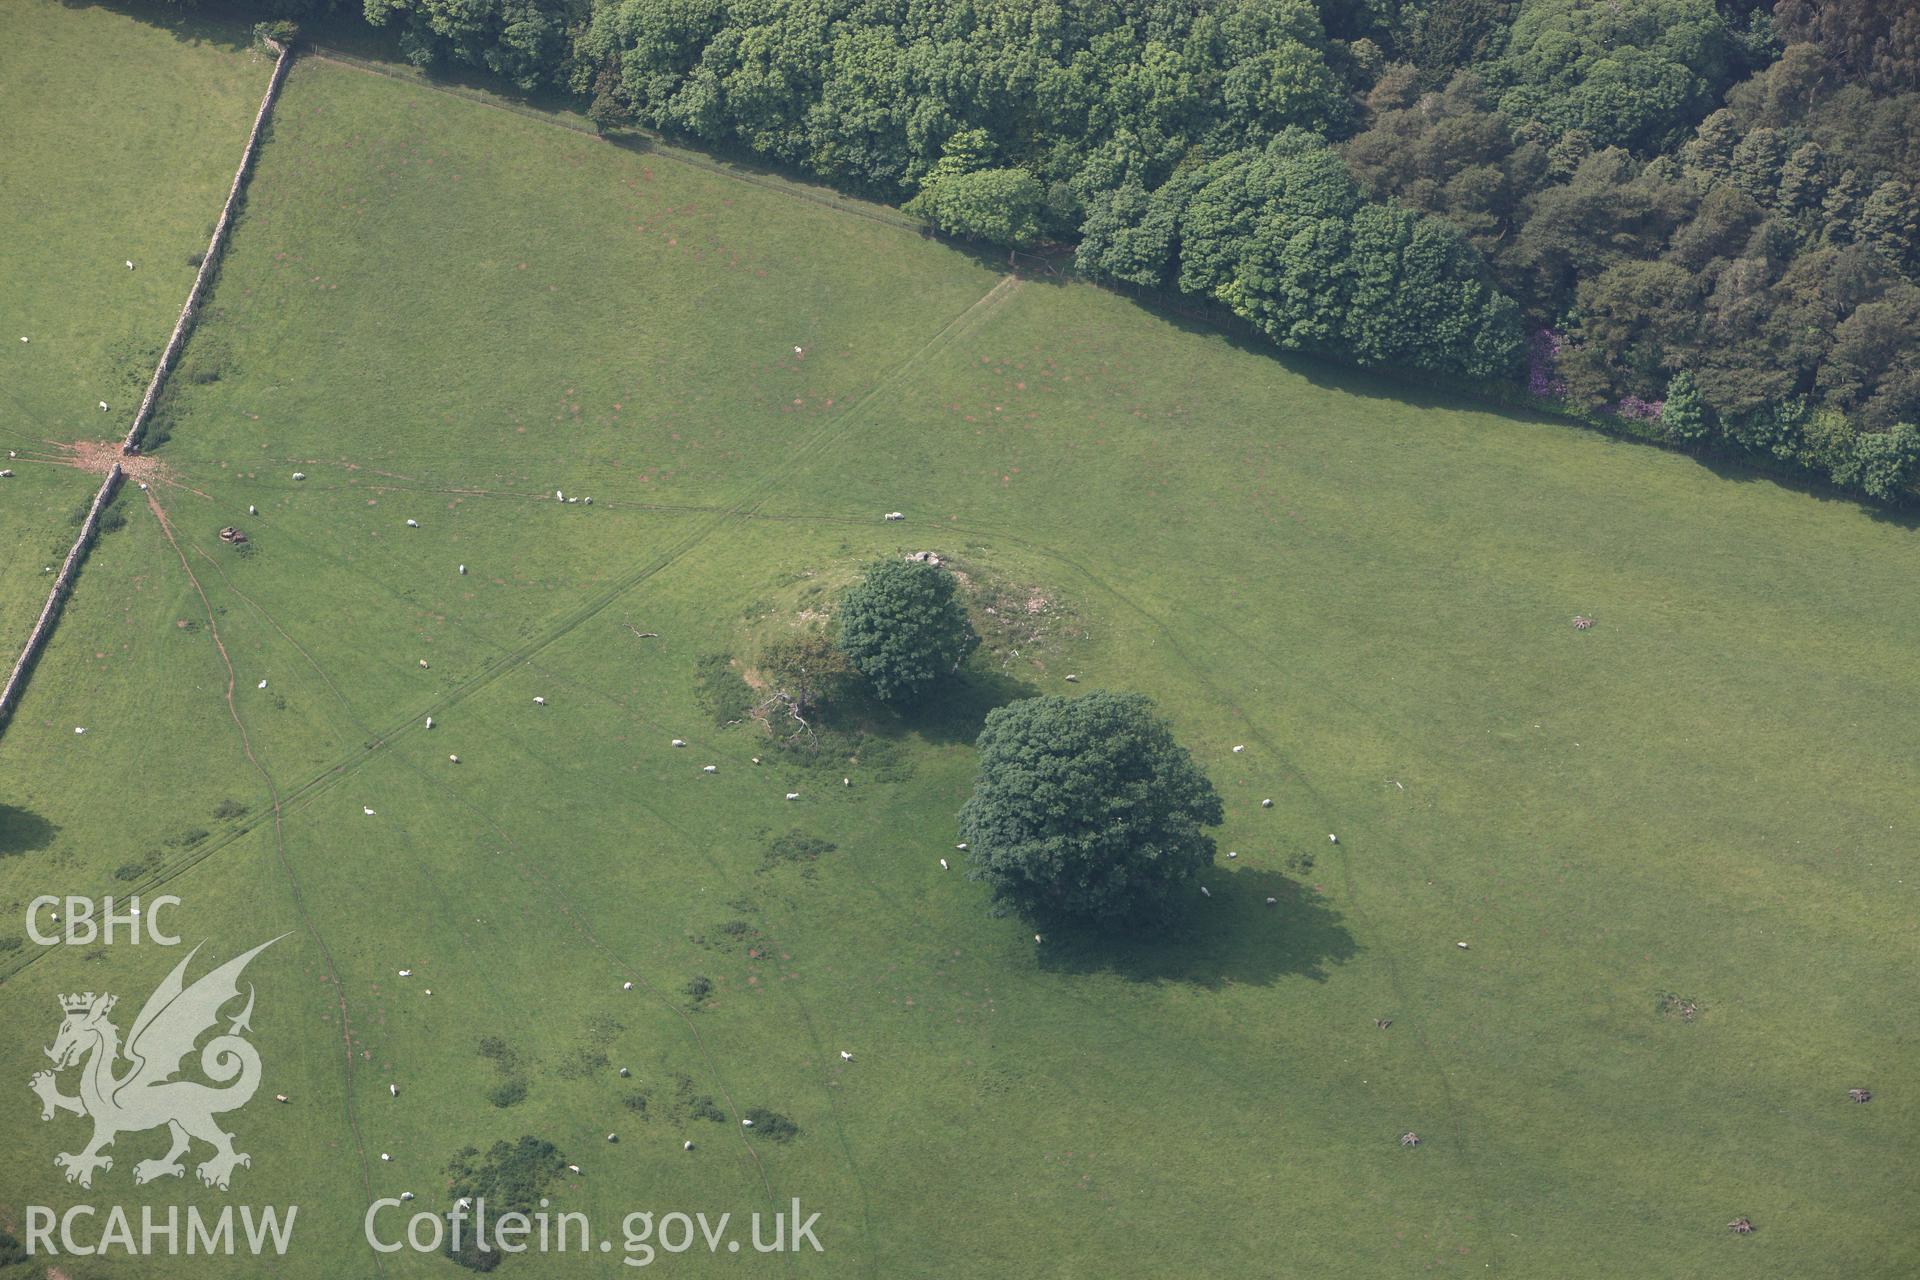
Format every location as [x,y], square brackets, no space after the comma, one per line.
[1696,221]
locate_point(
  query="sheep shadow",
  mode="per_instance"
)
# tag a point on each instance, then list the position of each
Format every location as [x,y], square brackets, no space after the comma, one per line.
[1233,937]
[22,831]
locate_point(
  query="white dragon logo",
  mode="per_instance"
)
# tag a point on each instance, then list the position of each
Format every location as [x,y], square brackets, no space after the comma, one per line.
[147,1096]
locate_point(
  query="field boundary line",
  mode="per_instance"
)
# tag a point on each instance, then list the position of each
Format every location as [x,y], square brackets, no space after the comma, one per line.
[70,569]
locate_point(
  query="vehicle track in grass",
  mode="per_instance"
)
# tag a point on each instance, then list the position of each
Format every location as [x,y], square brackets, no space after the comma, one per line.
[280,850]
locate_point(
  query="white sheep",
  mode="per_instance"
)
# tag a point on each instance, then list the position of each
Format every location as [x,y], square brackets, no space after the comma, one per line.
[961,845]
[626,986]
[613,1137]
[393,1091]
[262,684]
[1237,750]
[746,1122]
[558,496]
[462,1202]
[1205,892]
[429,722]
[1332,838]
[463,571]
[845,1056]
[252,510]
[709,768]
[406,1195]
[687,1145]
[1272,901]
[79,728]
[406,973]
[891,515]
[413,524]
[1266,804]
[129,264]
[539,702]
[943,864]
[103,406]
[384,1156]
[793,795]
[797,351]
[299,475]
[1233,853]
[453,759]
[679,742]
[574,1167]
[366,811]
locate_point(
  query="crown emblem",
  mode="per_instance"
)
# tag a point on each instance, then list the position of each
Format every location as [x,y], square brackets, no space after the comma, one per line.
[82,1003]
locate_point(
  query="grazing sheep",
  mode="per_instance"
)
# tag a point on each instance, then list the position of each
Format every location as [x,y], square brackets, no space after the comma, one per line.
[1332,838]
[1239,749]
[845,1056]
[423,664]
[1073,679]
[891,515]
[558,496]
[588,501]
[846,782]
[252,510]
[943,864]
[626,986]
[539,702]
[793,795]
[1233,853]
[463,571]
[8,475]
[624,1073]
[413,524]
[385,1156]
[679,742]
[1273,902]
[1036,937]
[687,1145]
[262,684]
[709,768]
[613,1137]
[1266,804]
[23,337]
[1205,892]
[462,1202]
[574,1167]
[129,264]
[281,1097]
[453,759]
[1463,946]
[429,722]
[103,406]
[746,1122]
[393,1091]
[406,973]
[366,811]
[797,351]
[961,845]
[406,1195]
[299,475]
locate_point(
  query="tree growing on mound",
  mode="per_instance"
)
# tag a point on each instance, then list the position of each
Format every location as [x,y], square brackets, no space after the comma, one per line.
[903,628]
[1087,811]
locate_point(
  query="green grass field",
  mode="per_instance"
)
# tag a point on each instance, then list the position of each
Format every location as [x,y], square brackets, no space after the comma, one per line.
[445,312]
[120,141]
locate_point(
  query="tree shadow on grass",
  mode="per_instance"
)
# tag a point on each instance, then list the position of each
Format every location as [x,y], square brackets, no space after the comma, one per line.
[956,711]
[224,27]
[1230,938]
[23,832]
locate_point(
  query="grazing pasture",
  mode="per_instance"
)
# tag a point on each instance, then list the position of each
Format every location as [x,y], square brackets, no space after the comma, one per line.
[443,313]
